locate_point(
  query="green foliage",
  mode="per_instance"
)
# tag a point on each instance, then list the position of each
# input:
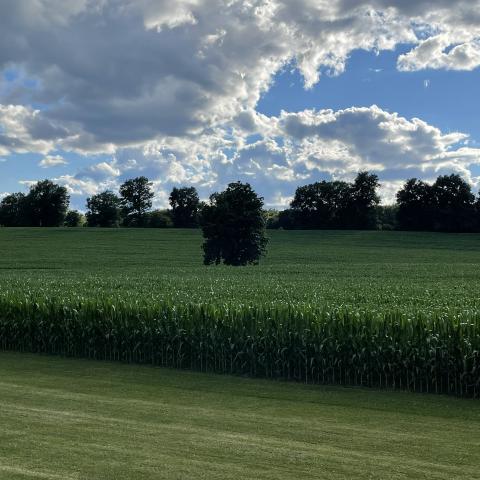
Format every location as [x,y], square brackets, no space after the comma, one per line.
[234,227]
[160,219]
[46,204]
[136,199]
[446,206]
[272,220]
[322,205]
[103,210]
[335,205]
[74,219]
[185,207]
[363,202]
[454,204]
[387,217]
[387,309]
[13,211]
[426,353]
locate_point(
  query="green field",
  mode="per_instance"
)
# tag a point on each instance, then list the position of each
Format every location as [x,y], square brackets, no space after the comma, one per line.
[378,309]
[372,270]
[382,309]
[84,420]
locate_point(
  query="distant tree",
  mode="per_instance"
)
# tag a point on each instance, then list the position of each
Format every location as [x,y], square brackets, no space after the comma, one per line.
[455,204]
[103,210]
[416,206]
[185,207]
[272,219]
[337,204]
[363,202]
[46,204]
[477,215]
[387,217]
[287,219]
[446,206]
[321,205]
[136,200]
[160,219]
[74,219]
[233,226]
[13,211]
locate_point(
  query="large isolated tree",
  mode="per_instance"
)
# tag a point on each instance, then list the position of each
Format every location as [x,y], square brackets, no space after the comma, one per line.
[47,204]
[185,206]
[13,211]
[103,210]
[136,199]
[233,226]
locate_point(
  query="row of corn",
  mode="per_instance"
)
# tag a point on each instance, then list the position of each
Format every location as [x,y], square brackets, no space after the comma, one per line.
[438,352]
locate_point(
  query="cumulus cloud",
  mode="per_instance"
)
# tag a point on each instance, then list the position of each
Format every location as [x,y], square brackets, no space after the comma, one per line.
[443,52]
[24,129]
[18,127]
[169,89]
[126,72]
[52,161]
[280,153]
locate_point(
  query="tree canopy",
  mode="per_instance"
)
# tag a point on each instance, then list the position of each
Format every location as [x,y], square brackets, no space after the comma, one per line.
[46,204]
[136,199]
[103,210]
[13,211]
[335,204]
[185,207]
[446,206]
[233,226]
[74,219]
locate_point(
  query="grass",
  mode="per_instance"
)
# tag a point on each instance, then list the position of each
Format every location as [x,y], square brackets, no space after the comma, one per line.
[75,419]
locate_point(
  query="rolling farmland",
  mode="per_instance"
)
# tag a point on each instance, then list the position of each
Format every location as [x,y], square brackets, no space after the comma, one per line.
[381,309]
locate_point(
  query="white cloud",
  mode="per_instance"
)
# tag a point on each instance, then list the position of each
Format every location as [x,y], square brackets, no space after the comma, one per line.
[28,183]
[169,89]
[52,161]
[292,149]
[24,129]
[178,68]
[17,124]
[444,51]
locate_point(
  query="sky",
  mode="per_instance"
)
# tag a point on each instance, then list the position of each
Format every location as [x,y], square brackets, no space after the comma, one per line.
[279,93]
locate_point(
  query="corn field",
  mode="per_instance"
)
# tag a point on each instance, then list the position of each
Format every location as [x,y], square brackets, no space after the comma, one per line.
[419,353]
[380,309]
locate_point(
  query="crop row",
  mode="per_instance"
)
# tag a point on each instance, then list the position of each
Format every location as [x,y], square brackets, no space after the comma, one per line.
[425,353]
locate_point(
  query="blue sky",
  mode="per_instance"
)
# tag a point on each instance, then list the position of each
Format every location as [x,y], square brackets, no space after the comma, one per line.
[278,93]
[442,98]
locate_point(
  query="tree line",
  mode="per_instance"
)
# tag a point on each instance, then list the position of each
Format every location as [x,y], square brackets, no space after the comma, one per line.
[47,205]
[447,205]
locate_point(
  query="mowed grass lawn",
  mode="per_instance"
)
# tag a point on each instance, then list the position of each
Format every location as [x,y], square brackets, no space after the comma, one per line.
[75,419]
